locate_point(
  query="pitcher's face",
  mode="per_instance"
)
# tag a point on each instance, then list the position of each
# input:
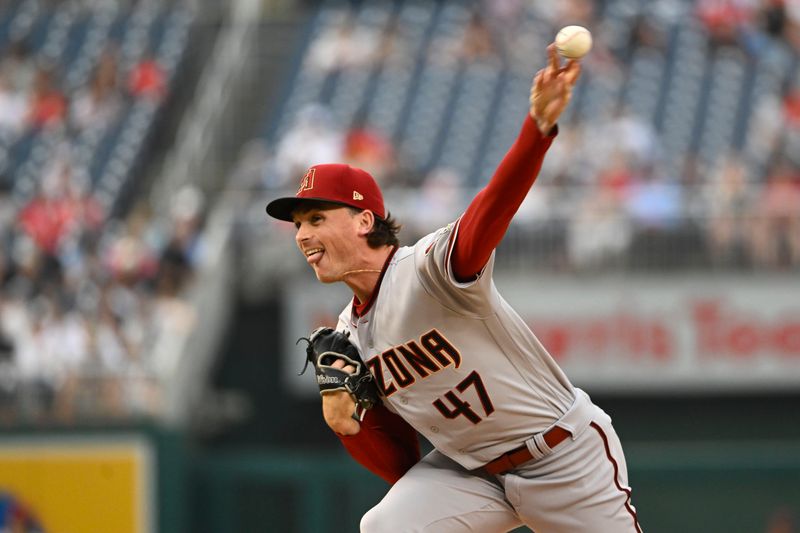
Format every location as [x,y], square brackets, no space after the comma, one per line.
[329,240]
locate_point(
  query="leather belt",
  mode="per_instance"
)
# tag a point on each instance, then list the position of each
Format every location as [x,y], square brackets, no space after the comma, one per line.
[509,460]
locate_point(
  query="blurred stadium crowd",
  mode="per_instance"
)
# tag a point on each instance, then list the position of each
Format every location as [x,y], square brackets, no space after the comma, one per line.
[86,285]
[681,150]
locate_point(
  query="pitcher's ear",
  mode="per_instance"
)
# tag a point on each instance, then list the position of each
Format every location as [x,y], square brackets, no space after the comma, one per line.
[366,221]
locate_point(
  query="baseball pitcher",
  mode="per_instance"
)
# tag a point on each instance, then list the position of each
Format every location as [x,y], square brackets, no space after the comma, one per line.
[428,345]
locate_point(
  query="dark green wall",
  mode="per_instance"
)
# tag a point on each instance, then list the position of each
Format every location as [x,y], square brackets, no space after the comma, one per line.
[687,488]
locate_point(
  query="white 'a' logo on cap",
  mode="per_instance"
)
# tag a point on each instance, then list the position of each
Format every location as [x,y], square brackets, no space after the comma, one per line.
[357,195]
[307,183]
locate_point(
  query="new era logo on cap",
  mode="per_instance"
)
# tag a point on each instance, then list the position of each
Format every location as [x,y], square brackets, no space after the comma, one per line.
[333,183]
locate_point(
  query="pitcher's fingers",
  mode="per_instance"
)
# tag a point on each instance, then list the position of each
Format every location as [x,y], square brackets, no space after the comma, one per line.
[340,364]
[572,71]
[547,72]
[554,62]
[537,80]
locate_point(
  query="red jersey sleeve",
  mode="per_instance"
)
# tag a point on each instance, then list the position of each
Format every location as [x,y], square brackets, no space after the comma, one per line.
[386,444]
[486,219]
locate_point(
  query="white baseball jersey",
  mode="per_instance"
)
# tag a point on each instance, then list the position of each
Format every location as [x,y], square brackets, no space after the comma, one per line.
[453,359]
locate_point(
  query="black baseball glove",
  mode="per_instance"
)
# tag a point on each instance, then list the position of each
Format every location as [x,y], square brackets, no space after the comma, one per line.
[325,346]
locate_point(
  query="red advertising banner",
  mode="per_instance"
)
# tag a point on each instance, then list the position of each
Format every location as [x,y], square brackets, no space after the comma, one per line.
[647,334]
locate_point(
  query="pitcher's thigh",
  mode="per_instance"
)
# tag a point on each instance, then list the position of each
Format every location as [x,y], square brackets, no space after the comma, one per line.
[583,487]
[438,495]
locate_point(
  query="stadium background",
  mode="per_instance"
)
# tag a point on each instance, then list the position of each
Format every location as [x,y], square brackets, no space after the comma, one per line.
[149,309]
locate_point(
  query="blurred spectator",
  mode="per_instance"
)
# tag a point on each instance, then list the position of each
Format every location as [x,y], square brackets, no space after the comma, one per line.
[46,217]
[791,31]
[130,261]
[647,33]
[654,201]
[62,205]
[440,201]
[767,128]
[343,45]
[729,199]
[791,105]
[26,272]
[655,208]
[772,18]
[65,343]
[580,12]
[504,14]
[107,361]
[18,67]
[184,250]
[8,215]
[724,19]
[48,106]
[116,370]
[630,133]
[600,232]
[8,370]
[393,48]
[312,139]
[778,23]
[36,371]
[478,42]
[13,108]
[82,211]
[147,79]
[775,236]
[97,105]
[473,43]
[790,148]
[87,215]
[368,148]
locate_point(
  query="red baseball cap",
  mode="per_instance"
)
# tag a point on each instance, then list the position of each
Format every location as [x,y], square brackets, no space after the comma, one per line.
[335,183]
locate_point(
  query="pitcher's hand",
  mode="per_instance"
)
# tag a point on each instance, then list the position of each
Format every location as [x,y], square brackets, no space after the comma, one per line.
[552,90]
[338,407]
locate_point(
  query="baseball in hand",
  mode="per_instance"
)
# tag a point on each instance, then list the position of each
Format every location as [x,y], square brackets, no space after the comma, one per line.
[573,42]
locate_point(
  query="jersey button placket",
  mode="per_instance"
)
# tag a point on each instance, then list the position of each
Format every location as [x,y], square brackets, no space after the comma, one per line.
[435,429]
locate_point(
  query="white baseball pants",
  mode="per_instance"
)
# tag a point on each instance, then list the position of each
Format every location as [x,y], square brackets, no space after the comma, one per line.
[580,486]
